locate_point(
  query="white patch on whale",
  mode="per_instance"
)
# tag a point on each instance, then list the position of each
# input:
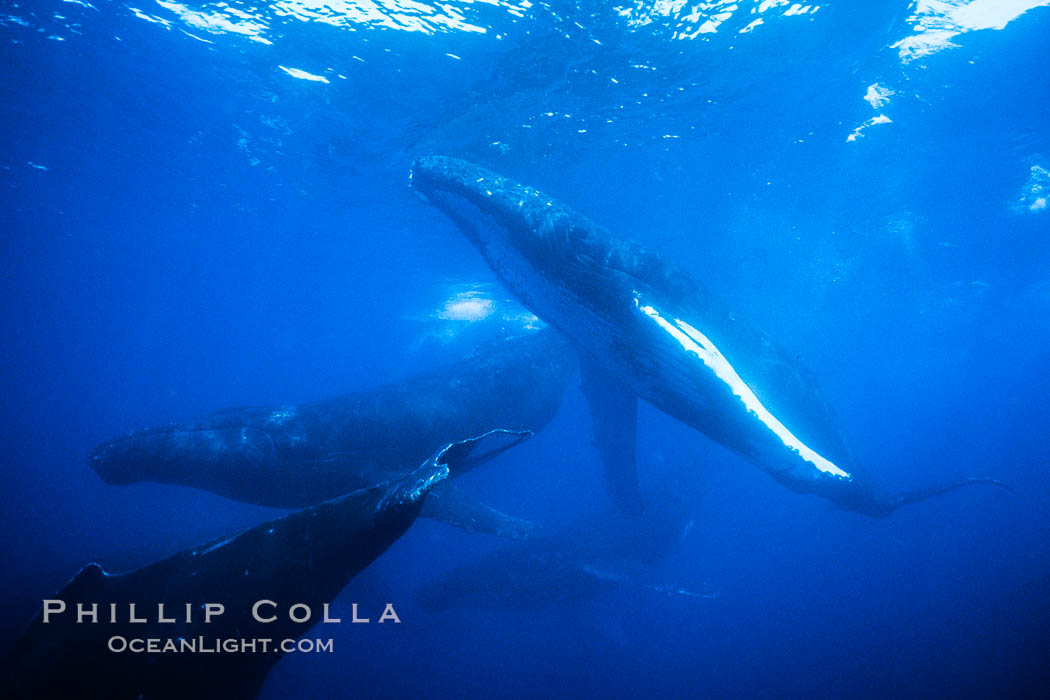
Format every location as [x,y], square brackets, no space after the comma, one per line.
[700,345]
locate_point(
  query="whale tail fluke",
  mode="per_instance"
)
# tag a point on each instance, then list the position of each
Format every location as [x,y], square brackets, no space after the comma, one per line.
[908,497]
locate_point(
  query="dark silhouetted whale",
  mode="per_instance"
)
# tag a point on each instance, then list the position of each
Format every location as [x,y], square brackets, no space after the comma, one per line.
[303,559]
[293,456]
[605,552]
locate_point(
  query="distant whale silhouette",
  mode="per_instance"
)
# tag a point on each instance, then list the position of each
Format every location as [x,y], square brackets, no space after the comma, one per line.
[305,558]
[645,328]
[293,456]
[601,553]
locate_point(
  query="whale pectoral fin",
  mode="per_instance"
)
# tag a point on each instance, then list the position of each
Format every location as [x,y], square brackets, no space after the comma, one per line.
[462,456]
[614,415]
[456,507]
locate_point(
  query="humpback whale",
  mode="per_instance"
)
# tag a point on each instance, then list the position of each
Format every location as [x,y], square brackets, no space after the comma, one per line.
[256,576]
[294,456]
[609,551]
[644,327]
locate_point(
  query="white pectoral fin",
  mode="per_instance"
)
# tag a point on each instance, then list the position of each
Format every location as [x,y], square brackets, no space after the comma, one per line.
[696,343]
[614,410]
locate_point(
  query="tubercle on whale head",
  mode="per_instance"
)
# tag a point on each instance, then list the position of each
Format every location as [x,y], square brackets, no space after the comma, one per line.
[430,173]
[473,198]
[508,222]
[441,179]
[446,172]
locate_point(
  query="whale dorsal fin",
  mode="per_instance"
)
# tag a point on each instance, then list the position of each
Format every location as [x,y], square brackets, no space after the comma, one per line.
[614,415]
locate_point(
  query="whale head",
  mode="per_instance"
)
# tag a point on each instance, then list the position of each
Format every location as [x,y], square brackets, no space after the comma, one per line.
[460,188]
[187,454]
[494,212]
[541,249]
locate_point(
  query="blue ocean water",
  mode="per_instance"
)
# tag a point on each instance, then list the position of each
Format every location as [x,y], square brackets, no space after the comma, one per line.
[207,205]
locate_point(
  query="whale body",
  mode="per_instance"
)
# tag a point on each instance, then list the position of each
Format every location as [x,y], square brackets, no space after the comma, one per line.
[611,550]
[306,557]
[644,327]
[295,456]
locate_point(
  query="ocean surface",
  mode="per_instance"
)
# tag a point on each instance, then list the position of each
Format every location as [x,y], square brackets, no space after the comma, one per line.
[206,205]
